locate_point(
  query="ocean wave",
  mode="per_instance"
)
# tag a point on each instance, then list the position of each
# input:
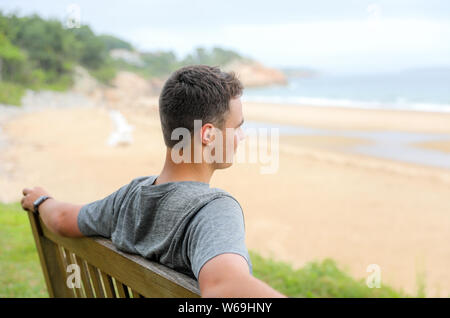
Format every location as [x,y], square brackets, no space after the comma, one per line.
[399,104]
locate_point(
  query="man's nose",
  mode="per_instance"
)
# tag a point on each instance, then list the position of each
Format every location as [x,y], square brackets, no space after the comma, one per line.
[241,134]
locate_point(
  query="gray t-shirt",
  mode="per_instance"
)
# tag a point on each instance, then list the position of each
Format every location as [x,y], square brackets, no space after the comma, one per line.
[179,224]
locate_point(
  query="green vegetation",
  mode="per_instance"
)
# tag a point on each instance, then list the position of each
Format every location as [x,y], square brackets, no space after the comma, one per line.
[41,54]
[111,42]
[316,279]
[22,275]
[215,56]
[162,63]
[11,93]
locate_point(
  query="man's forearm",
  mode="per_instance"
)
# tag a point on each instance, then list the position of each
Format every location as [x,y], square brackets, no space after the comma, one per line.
[60,217]
[248,287]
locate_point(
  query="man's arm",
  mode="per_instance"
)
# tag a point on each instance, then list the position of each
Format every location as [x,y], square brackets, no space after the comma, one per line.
[227,275]
[60,217]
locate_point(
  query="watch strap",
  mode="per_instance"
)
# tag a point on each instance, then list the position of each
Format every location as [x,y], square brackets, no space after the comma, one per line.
[39,201]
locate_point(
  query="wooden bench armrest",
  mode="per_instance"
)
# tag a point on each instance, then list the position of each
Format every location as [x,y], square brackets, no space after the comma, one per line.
[105,270]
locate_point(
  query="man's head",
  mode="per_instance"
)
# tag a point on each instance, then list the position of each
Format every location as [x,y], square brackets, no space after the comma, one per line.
[201,92]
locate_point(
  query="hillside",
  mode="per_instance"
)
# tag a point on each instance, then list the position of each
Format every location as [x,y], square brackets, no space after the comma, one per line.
[41,54]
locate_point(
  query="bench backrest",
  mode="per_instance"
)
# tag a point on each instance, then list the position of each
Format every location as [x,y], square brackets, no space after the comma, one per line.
[104,270]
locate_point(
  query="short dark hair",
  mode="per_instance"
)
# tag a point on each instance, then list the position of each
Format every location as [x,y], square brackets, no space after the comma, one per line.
[196,92]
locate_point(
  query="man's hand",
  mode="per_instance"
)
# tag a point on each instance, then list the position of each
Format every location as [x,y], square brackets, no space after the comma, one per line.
[59,217]
[30,195]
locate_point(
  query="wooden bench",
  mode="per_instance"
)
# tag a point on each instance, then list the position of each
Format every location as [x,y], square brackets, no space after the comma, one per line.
[104,270]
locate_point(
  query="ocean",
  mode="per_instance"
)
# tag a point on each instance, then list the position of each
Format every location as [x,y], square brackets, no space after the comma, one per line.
[420,89]
[393,145]
[417,90]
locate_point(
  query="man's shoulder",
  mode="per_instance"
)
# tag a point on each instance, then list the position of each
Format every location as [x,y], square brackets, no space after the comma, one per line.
[147,180]
[224,196]
[192,194]
[221,205]
[205,194]
[134,185]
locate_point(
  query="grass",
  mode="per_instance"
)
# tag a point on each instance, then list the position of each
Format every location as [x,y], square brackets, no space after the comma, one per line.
[21,274]
[316,279]
[11,93]
[20,270]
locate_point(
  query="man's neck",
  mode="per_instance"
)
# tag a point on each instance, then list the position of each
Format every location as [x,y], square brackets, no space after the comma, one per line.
[201,172]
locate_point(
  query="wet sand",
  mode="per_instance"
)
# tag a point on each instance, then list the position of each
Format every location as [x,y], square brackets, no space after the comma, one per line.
[443,146]
[322,202]
[349,118]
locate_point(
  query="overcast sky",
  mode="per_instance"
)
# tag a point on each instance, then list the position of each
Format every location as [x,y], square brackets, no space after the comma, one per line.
[337,36]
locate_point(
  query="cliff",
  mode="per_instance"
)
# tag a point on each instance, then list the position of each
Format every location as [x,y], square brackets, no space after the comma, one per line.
[254,74]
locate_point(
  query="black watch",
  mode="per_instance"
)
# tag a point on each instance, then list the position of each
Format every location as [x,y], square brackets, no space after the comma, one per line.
[39,201]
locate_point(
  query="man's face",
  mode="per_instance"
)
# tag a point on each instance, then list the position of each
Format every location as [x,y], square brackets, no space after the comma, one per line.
[219,144]
[232,132]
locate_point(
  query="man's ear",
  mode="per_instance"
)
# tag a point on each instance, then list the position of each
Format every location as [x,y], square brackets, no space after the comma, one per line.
[207,134]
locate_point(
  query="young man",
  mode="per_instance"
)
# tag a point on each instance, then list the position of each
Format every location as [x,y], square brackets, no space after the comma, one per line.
[175,217]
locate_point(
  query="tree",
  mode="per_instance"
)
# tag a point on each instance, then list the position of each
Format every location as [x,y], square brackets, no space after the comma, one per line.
[11,60]
[214,57]
[93,51]
[111,42]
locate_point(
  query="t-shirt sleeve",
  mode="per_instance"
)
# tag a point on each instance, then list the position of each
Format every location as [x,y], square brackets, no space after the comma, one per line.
[216,229]
[96,218]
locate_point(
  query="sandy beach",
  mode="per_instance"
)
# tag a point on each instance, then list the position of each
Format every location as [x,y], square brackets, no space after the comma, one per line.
[443,146]
[322,202]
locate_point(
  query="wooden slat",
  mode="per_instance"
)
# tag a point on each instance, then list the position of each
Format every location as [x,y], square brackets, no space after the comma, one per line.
[95,277]
[70,259]
[65,264]
[149,279]
[135,294]
[51,263]
[122,290]
[162,273]
[85,278]
[108,285]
